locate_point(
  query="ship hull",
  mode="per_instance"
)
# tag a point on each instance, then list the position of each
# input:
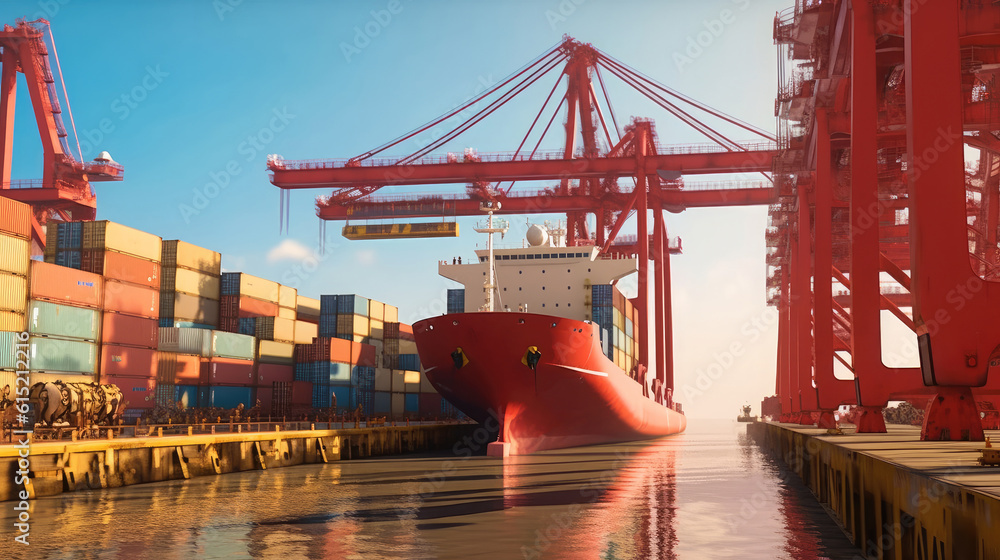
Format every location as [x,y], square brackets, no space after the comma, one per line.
[574,396]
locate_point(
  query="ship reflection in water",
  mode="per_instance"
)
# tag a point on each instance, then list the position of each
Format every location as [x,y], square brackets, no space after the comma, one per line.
[707,493]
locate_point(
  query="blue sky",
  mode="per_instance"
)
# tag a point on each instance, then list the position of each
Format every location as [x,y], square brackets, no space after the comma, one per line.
[192,96]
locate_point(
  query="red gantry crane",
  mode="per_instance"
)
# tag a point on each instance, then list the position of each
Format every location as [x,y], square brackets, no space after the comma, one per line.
[64,189]
[585,173]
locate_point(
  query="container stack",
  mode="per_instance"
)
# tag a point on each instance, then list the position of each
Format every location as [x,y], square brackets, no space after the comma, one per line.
[246,296]
[602,315]
[181,353]
[353,322]
[227,377]
[275,355]
[190,287]
[64,324]
[15,256]
[129,261]
[328,316]
[64,243]
[307,309]
[336,368]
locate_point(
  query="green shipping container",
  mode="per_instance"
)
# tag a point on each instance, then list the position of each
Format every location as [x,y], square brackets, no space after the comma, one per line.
[63,320]
[53,354]
[232,345]
[8,340]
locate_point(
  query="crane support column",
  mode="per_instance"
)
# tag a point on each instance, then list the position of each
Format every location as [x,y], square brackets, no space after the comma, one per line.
[949,310]
[642,138]
[8,96]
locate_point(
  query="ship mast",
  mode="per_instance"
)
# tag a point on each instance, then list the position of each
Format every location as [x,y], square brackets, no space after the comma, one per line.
[489,286]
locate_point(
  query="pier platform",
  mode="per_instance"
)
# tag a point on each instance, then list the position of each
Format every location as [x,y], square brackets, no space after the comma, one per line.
[897,497]
[61,466]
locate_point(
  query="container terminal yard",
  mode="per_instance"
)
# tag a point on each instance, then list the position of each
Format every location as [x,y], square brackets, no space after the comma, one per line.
[153,388]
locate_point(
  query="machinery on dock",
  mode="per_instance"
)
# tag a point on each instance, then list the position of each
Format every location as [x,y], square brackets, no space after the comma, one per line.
[746,416]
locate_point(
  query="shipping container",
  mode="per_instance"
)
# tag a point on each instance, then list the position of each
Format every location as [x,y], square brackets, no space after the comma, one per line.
[390,331]
[305,332]
[180,254]
[287,296]
[230,397]
[430,405]
[130,330]
[273,373]
[72,258]
[398,381]
[168,322]
[407,347]
[15,254]
[232,345]
[69,235]
[242,284]
[327,326]
[383,379]
[376,310]
[278,353]
[128,361]
[52,319]
[15,218]
[131,299]
[391,314]
[8,350]
[248,325]
[307,308]
[350,304]
[138,392]
[328,305]
[226,371]
[409,362]
[186,395]
[186,341]
[365,377]
[375,328]
[120,266]
[265,396]
[178,368]
[398,407]
[188,308]
[245,306]
[301,392]
[321,397]
[330,373]
[51,239]
[352,325]
[13,293]
[54,354]
[13,321]
[287,313]
[346,397]
[192,282]
[112,236]
[275,328]
[456,300]
[382,403]
[411,381]
[412,403]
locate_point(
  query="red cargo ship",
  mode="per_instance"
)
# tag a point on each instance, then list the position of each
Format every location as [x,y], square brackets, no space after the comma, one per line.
[547,378]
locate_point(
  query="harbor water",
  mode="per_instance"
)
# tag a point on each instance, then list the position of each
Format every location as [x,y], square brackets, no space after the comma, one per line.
[709,493]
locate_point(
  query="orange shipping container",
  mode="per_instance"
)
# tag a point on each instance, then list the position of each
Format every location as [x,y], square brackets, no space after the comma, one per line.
[52,282]
[126,360]
[138,392]
[119,266]
[13,293]
[131,299]
[15,217]
[129,330]
[179,369]
[245,306]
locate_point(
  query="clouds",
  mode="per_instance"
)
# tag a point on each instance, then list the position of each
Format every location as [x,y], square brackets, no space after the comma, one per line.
[290,250]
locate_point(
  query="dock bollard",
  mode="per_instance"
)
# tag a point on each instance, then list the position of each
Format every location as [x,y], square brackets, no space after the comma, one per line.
[239,428]
[213,429]
[159,432]
[73,435]
[190,430]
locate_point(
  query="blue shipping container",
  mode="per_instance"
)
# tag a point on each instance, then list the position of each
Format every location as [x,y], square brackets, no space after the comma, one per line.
[187,325]
[332,373]
[187,394]
[366,400]
[328,326]
[70,259]
[327,305]
[412,403]
[248,325]
[364,377]
[381,402]
[230,397]
[350,304]
[321,396]
[346,397]
[409,362]
[303,371]
[69,236]
[602,295]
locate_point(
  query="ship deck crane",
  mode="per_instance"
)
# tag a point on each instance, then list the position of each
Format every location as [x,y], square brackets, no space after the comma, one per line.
[64,189]
[584,177]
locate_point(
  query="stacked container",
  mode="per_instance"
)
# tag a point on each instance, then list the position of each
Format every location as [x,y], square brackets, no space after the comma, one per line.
[602,315]
[245,296]
[64,322]
[353,322]
[15,254]
[191,286]
[307,309]
[328,316]
[275,355]
[338,367]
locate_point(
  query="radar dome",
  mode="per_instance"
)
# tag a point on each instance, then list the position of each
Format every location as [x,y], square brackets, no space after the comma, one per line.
[537,236]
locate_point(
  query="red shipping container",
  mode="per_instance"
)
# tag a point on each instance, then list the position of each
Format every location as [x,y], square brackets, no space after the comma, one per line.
[271,373]
[229,324]
[129,330]
[265,395]
[131,299]
[302,392]
[179,369]
[226,371]
[363,354]
[245,306]
[15,218]
[128,361]
[119,266]
[138,392]
[61,284]
[430,404]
